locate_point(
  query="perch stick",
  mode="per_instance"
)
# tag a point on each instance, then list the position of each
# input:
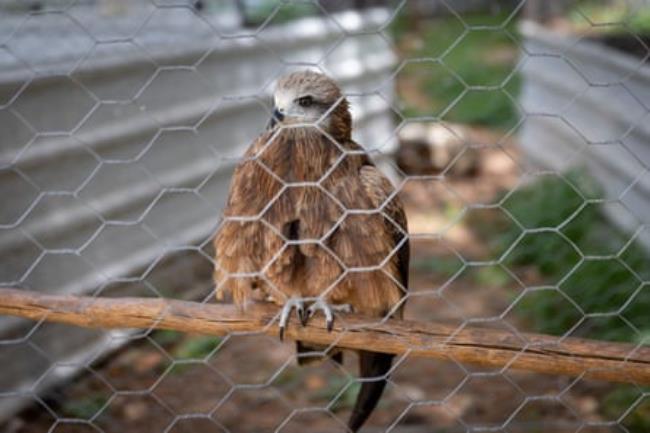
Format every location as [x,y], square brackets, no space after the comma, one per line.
[609,361]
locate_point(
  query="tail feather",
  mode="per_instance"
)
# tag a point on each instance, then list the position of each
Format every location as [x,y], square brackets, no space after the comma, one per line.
[373,368]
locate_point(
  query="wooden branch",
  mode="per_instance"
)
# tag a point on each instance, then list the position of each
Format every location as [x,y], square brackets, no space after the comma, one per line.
[608,361]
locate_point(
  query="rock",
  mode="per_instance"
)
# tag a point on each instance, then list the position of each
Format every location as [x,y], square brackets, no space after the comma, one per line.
[426,149]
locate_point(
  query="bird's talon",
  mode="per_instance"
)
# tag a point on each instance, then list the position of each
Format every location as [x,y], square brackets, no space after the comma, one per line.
[291,303]
[327,310]
[302,315]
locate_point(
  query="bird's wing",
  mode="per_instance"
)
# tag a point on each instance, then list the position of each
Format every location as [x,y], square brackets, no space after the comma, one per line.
[382,193]
[372,241]
[244,244]
[377,234]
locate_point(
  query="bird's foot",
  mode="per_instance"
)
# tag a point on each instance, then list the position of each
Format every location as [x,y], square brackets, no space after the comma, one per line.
[299,305]
[303,315]
[327,309]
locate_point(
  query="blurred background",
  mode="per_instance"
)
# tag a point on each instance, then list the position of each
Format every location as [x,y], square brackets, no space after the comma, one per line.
[517,133]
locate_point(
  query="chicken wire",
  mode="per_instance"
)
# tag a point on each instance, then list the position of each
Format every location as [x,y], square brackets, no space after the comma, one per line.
[82,153]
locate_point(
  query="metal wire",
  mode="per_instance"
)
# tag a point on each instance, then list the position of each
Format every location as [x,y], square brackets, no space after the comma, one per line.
[121,124]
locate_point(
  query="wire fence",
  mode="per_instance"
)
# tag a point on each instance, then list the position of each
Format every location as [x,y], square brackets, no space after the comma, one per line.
[516,146]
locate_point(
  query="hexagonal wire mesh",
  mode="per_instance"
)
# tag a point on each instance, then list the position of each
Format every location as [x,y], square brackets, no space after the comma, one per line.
[519,151]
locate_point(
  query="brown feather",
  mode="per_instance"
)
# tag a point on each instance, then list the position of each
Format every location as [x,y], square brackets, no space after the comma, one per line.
[357,240]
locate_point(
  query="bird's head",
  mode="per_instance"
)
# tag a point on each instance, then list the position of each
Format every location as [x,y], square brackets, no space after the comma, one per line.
[308,97]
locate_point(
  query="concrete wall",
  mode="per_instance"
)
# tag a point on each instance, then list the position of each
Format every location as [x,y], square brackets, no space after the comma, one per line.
[586,105]
[114,165]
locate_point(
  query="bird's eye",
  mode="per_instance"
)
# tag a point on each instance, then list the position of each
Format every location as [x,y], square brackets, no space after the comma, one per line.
[305,101]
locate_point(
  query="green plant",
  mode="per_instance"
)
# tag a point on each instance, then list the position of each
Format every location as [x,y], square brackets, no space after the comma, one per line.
[277,12]
[627,397]
[167,338]
[196,347]
[606,283]
[491,276]
[600,283]
[443,266]
[610,17]
[347,399]
[470,77]
[86,407]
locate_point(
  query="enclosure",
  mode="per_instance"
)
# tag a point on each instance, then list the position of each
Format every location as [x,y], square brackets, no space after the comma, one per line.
[514,132]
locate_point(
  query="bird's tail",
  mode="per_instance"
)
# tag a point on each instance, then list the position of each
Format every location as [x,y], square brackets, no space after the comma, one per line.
[373,368]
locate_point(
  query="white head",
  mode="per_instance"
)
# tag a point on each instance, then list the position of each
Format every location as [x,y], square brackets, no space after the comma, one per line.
[304,97]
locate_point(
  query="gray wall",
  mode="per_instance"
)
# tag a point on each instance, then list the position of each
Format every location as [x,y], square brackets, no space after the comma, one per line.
[115,163]
[586,105]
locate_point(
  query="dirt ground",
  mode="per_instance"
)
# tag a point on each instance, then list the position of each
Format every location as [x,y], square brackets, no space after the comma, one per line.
[250,383]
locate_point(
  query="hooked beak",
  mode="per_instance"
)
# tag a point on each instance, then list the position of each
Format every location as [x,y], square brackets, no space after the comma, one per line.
[275,118]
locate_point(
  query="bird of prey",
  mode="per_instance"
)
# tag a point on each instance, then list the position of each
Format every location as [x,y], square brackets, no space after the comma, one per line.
[311,224]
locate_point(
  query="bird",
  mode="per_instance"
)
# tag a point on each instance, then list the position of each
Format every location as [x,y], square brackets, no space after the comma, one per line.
[311,224]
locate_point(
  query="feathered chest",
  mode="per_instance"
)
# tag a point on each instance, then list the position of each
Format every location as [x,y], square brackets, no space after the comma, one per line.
[294,157]
[284,173]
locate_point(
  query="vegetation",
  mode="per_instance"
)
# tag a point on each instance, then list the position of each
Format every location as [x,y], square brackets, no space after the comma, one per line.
[186,347]
[463,71]
[595,268]
[84,407]
[344,400]
[610,16]
[196,347]
[275,12]
[620,400]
